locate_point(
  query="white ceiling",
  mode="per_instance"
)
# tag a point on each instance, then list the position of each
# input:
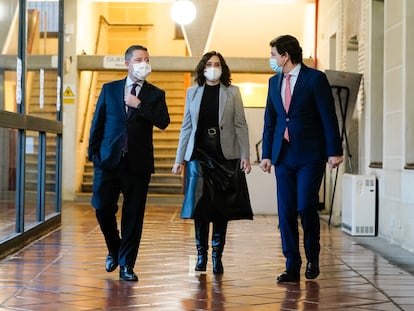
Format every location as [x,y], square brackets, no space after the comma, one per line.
[244,28]
[249,25]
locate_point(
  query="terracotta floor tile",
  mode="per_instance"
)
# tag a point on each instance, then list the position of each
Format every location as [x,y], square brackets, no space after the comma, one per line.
[65,271]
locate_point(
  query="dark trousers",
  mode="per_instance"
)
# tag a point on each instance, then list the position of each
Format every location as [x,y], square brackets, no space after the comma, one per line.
[298,195]
[108,185]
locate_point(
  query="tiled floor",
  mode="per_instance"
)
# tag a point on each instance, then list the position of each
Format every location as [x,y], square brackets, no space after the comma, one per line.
[65,271]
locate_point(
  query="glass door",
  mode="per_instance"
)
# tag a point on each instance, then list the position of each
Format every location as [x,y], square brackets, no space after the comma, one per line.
[31,41]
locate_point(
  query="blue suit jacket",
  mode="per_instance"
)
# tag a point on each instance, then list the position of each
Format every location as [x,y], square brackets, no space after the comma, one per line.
[110,122]
[311,120]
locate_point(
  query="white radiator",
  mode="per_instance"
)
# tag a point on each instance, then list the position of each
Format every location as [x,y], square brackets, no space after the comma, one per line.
[358,205]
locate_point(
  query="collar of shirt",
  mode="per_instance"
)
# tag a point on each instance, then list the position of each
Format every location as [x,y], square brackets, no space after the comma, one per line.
[129,83]
[295,70]
[294,73]
[128,86]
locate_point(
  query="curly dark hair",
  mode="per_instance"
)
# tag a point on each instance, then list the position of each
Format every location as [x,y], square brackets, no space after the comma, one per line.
[288,44]
[225,70]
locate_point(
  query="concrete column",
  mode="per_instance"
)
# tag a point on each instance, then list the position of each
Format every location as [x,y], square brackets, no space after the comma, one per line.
[69,103]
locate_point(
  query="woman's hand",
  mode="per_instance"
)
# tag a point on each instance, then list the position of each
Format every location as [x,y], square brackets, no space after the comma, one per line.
[177,168]
[245,165]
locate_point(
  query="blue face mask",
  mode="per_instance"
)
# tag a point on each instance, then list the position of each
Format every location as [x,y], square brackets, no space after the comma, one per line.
[273,64]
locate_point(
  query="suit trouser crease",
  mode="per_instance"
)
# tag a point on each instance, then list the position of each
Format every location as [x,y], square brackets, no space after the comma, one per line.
[134,188]
[133,210]
[298,196]
[108,225]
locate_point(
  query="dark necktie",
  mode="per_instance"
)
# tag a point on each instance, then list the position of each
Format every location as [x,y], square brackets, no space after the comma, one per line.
[129,112]
[133,92]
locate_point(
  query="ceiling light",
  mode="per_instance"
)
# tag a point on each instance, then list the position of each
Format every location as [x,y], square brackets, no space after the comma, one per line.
[183,12]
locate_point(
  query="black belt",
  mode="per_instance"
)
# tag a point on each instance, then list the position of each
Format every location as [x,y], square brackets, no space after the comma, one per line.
[212,131]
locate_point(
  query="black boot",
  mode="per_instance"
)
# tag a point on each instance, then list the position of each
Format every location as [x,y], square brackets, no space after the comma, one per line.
[201,238]
[217,263]
[218,241]
[201,264]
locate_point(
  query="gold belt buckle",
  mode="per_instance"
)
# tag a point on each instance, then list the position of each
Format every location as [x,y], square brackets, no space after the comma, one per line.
[211,131]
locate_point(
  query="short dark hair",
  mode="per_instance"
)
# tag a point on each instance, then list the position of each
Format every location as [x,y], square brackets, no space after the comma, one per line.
[131,49]
[288,44]
[225,70]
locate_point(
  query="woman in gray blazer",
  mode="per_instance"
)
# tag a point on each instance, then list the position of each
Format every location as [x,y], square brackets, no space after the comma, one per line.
[214,146]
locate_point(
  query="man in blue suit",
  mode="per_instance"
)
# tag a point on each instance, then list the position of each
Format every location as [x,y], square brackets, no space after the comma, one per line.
[300,135]
[121,148]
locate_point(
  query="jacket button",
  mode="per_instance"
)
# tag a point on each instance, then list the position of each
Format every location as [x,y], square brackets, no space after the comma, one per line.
[287,119]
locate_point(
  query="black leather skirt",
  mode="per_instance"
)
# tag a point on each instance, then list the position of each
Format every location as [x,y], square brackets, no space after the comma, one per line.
[215,188]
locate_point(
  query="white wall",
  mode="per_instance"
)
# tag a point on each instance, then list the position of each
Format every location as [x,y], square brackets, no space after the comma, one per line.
[396,198]
[348,18]
[262,186]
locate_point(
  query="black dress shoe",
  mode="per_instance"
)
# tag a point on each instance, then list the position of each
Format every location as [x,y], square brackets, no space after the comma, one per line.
[312,270]
[287,277]
[111,263]
[127,274]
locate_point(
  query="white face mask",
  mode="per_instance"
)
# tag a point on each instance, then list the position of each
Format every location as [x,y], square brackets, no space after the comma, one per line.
[212,74]
[141,70]
[276,68]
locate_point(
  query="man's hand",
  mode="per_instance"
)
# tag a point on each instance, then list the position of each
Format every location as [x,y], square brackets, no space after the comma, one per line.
[334,161]
[266,165]
[132,101]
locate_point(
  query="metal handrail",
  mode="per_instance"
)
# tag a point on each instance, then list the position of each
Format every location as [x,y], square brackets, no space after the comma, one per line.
[257,151]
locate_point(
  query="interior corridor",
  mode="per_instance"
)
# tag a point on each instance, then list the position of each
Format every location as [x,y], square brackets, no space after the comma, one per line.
[65,271]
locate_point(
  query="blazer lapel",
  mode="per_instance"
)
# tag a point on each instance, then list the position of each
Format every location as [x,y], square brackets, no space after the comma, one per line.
[224,91]
[300,84]
[196,100]
[120,89]
[276,84]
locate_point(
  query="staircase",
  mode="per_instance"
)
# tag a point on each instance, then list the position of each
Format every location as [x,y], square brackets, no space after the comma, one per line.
[165,187]
[47,111]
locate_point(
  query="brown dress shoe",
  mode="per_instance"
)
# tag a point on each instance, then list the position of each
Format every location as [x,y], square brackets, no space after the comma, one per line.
[287,277]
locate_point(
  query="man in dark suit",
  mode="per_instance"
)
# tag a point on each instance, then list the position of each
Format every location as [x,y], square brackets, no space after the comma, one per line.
[120,146]
[300,135]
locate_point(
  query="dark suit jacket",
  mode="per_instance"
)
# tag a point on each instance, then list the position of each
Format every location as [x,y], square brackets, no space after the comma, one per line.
[110,123]
[311,119]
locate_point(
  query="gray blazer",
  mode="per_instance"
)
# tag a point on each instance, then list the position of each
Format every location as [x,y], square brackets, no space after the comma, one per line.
[234,136]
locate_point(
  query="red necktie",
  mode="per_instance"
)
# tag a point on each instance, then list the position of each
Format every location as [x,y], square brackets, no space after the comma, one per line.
[288,97]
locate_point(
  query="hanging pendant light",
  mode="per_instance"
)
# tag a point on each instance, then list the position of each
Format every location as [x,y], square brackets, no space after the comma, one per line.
[183,12]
